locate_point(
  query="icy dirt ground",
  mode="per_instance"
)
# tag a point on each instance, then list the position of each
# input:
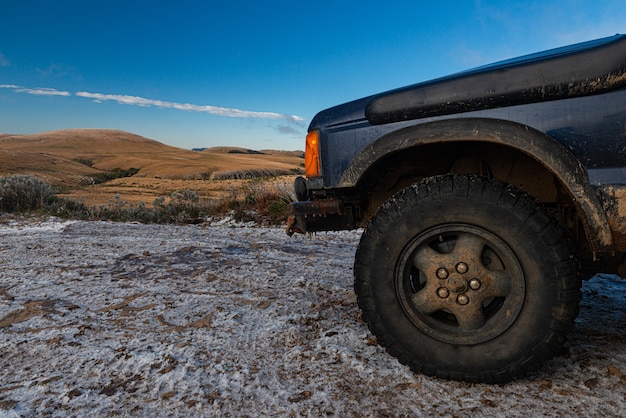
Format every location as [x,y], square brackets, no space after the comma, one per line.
[105,319]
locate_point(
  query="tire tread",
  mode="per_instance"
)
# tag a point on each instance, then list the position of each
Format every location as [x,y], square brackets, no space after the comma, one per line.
[525,208]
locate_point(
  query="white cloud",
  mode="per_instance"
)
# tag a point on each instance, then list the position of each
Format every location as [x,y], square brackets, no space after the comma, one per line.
[40,91]
[43,92]
[142,101]
[213,110]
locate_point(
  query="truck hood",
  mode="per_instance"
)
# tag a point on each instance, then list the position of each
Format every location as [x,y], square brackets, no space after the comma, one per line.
[346,113]
[575,70]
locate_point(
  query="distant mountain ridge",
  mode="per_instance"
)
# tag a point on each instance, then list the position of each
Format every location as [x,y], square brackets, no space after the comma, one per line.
[68,156]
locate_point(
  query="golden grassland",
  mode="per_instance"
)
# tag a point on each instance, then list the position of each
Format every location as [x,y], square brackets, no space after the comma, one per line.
[71,159]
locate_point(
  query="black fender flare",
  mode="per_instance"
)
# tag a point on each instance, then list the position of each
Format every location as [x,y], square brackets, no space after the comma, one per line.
[536,144]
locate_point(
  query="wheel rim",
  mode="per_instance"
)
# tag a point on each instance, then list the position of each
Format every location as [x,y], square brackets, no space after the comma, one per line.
[460,284]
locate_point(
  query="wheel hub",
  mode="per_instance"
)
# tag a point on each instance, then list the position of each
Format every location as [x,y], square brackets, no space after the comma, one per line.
[464,284]
[457,284]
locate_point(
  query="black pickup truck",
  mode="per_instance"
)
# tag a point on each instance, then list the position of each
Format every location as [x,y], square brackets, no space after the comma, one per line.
[485,197]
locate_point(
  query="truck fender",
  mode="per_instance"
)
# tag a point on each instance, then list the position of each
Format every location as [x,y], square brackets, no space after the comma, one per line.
[536,144]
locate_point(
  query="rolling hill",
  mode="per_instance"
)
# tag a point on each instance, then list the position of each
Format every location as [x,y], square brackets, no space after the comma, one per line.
[72,156]
[79,162]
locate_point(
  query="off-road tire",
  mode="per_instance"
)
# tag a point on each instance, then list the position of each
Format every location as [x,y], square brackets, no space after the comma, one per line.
[467,278]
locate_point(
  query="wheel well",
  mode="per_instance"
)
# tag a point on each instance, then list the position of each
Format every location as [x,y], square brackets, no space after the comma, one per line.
[398,170]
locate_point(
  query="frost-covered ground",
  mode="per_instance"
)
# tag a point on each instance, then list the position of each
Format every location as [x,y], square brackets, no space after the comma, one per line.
[103,319]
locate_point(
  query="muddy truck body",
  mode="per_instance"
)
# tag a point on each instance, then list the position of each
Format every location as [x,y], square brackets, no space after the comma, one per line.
[485,197]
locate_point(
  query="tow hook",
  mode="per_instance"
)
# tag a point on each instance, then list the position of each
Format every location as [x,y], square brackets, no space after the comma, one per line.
[291,226]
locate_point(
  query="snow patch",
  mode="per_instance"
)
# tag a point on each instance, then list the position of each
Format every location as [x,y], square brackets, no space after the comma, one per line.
[101,318]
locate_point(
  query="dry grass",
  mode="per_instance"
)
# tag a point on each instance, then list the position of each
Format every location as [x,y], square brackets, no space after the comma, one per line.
[70,159]
[138,189]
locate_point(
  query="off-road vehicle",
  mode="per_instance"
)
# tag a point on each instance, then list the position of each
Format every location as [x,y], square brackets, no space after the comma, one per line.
[485,197]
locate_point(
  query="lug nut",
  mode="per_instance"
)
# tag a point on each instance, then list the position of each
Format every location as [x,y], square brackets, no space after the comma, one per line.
[474,284]
[462,268]
[442,273]
[443,293]
[462,299]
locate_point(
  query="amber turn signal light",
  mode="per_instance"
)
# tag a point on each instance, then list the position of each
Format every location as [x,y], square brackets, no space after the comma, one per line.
[312,155]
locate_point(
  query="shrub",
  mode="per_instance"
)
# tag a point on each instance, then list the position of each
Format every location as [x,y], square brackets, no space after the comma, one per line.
[116,173]
[261,201]
[22,193]
[269,200]
[84,161]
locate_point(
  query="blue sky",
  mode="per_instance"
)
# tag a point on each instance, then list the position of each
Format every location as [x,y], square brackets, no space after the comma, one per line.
[252,74]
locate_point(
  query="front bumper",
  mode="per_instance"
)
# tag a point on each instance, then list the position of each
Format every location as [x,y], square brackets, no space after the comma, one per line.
[318,215]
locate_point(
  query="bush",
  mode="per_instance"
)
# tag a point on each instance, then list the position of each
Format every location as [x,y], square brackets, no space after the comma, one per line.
[269,200]
[84,161]
[116,173]
[22,193]
[261,201]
